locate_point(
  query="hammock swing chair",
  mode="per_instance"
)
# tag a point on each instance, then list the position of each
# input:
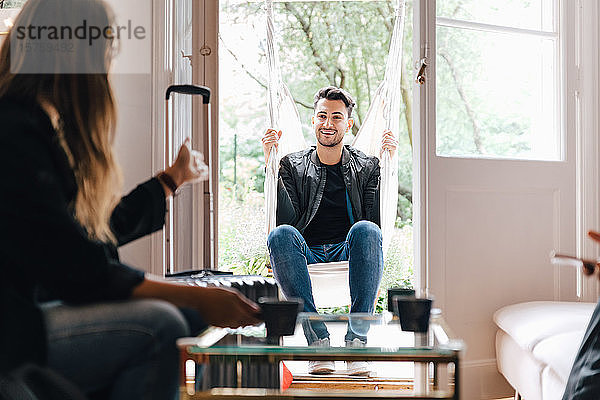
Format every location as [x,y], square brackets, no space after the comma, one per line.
[330,280]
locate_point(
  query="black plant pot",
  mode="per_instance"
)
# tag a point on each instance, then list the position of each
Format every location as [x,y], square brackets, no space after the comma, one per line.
[391,292]
[280,315]
[413,313]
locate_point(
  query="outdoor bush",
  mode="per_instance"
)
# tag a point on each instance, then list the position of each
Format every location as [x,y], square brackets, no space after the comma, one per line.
[242,233]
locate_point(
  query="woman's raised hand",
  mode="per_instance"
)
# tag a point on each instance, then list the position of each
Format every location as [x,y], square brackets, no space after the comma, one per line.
[270,139]
[189,166]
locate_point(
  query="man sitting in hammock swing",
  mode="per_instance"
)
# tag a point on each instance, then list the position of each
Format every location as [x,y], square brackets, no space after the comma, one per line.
[327,211]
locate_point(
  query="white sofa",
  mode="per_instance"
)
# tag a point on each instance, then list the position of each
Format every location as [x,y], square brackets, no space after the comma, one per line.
[536,344]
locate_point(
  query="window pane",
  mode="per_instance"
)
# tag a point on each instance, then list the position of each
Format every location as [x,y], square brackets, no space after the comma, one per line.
[529,14]
[496,95]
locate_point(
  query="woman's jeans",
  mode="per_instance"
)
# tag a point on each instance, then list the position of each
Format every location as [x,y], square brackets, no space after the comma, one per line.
[362,249]
[123,350]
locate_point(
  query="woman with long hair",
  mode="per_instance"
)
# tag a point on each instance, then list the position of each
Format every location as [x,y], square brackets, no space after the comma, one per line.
[112,329]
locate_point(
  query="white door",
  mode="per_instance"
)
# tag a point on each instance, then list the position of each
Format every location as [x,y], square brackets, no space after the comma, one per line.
[496,190]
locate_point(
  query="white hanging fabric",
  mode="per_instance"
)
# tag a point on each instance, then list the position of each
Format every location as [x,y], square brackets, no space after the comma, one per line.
[283,115]
[383,114]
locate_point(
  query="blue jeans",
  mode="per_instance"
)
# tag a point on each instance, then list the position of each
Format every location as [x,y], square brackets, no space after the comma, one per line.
[362,249]
[124,350]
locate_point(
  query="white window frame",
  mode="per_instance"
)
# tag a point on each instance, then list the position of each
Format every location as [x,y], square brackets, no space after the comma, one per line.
[558,73]
[587,113]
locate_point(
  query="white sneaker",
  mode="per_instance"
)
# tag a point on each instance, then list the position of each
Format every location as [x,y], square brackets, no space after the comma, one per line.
[321,367]
[357,368]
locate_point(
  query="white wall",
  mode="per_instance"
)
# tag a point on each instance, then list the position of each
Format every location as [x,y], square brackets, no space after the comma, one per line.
[133,93]
[134,148]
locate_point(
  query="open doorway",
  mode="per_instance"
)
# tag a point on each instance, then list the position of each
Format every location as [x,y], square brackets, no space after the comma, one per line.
[320,43]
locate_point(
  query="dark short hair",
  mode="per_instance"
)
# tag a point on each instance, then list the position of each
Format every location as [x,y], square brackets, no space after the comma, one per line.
[334,93]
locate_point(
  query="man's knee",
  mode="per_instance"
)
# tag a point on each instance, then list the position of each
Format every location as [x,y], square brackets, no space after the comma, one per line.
[366,229]
[283,234]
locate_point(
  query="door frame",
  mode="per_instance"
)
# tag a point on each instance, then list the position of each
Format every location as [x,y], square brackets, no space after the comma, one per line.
[588,143]
[204,59]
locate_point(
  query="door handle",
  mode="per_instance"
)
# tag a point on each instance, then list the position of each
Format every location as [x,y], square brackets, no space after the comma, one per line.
[188,57]
[420,79]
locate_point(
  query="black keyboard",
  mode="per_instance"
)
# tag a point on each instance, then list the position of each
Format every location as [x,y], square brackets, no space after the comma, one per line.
[252,286]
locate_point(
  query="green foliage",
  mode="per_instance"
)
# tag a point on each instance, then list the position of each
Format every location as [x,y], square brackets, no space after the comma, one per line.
[243,167]
[381,303]
[334,310]
[398,269]
[253,266]
[12,3]
[404,212]
[242,236]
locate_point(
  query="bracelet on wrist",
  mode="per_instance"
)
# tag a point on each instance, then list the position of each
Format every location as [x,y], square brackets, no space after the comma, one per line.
[168,181]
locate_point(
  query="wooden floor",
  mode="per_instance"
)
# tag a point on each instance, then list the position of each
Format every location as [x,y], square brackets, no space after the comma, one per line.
[332,382]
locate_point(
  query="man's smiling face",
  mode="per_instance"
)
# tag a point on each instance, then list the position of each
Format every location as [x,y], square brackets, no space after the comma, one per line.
[331,122]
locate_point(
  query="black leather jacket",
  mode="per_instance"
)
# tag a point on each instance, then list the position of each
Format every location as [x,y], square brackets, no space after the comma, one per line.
[302,181]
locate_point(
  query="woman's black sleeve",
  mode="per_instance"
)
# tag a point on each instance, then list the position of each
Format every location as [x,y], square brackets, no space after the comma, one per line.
[140,213]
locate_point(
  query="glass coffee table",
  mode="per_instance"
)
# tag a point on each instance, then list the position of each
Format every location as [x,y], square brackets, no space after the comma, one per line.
[244,363]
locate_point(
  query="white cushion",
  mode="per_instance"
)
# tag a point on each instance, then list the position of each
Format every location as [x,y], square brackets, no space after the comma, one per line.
[518,366]
[326,269]
[553,386]
[530,323]
[559,351]
[537,344]
[329,283]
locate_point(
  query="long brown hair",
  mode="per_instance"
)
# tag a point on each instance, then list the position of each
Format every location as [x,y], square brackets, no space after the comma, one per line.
[84,103]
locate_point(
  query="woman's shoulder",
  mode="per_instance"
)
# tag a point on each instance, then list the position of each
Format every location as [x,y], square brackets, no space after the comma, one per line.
[28,139]
[24,123]
[30,149]
[21,113]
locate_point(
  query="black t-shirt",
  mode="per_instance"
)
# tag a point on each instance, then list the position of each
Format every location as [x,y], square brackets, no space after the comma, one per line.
[331,222]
